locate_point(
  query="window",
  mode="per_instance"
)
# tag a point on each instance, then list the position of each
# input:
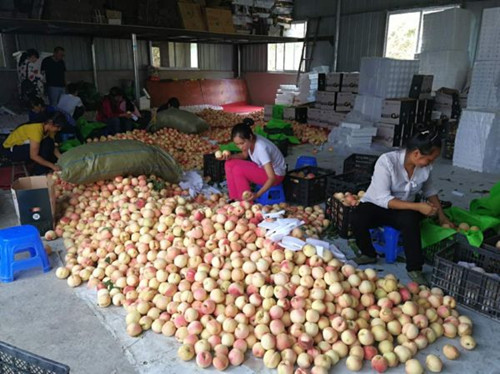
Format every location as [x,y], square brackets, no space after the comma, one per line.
[403,37]
[286,56]
[175,55]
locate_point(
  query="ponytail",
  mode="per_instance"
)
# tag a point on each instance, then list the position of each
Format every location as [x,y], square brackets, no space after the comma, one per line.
[424,140]
[243,130]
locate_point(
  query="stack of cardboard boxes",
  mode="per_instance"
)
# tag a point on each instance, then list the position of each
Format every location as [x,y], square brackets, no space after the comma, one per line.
[400,116]
[334,99]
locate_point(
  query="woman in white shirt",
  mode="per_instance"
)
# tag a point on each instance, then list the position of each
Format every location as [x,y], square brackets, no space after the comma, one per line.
[390,200]
[266,168]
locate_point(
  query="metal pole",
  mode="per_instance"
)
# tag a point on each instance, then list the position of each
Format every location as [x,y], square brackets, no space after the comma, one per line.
[150,47]
[337,30]
[238,60]
[136,67]
[94,64]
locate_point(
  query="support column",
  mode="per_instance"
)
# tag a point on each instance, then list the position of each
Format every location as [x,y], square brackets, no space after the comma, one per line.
[136,67]
[337,31]
[94,64]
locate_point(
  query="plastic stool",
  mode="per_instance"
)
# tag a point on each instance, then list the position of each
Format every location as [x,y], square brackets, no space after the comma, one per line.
[274,195]
[16,240]
[386,240]
[306,161]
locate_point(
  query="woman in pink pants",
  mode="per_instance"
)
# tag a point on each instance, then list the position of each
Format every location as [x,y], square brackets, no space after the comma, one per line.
[266,168]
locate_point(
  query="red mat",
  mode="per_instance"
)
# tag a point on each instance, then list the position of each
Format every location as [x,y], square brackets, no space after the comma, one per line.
[5,175]
[241,108]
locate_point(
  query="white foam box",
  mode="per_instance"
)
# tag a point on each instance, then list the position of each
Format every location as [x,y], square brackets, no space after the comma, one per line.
[449,68]
[386,77]
[369,106]
[471,140]
[449,29]
[489,37]
[268,110]
[484,91]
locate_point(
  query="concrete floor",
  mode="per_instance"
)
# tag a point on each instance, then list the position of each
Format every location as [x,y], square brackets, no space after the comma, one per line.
[41,314]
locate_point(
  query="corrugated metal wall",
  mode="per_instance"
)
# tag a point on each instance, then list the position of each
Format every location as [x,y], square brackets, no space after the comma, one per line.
[254,58]
[361,35]
[116,54]
[216,57]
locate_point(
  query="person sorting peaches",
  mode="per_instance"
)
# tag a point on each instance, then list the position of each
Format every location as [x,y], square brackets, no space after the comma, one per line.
[266,168]
[390,200]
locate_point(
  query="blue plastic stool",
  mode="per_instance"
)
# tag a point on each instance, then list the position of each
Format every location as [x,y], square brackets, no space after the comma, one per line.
[386,240]
[16,240]
[274,195]
[306,161]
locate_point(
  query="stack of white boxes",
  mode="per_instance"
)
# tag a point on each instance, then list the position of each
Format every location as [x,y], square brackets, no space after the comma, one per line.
[308,86]
[286,94]
[477,144]
[335,99]
[445,43]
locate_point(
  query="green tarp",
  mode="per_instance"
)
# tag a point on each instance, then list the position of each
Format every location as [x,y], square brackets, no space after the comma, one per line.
[488,206]
[433,233]
[105,160]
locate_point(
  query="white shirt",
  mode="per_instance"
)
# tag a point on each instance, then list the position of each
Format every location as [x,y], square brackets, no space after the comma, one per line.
[264,152]
[69,103]
[390,180]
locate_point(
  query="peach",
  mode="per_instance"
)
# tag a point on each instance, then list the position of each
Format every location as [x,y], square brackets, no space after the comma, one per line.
[379,364]
[271,359]
[348,337]
[357,350]
[204,359]
[451,352]
[365,337]
[450,330]
[413,366]
[385,346]
[403,353]
[468,342]
[354,363]
[410,308]
[220,362]
[434,363]
[392,359]
[369,352]
[464,329]
[410,330]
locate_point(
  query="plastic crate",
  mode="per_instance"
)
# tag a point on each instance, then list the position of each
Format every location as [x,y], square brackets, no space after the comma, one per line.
[340,216]
[350,182]
[213,168]
[306,191]
[430,251]
[471,288]
[17,361]
[361,164]
[490,243]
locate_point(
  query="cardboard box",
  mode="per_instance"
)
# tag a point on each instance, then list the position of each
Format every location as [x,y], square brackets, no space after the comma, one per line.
[192,16]
[389,134]
[114,17]
[333,88]
[399,111]
[313,114]
[344,101]
[350,82]
[334,79]
[220,20]
[326,98]
[34,201]
[448,111]
[298,114]
[421,86]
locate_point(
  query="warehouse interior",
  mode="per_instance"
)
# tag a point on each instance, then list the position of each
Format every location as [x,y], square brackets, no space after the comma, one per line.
[156,240]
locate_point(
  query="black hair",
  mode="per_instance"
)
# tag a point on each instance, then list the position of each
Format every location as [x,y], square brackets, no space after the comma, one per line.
[58,49]
[71,88]
[35,101]
[27,54]
[243,130]
[248,121]
[57,119]
[116,91]
[173,102]
[425,140]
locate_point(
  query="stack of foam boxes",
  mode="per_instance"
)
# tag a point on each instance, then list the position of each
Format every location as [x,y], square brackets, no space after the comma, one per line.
[477,143]
[334,99]
[445,44]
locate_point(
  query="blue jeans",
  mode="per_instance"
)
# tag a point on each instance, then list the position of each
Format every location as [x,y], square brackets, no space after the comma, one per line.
[54,93]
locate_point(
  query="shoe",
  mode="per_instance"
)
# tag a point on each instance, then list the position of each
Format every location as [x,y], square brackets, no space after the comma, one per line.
[365,260]
[418,277]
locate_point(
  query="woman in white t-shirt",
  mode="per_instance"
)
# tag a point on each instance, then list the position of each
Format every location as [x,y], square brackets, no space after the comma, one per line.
[266,168]
[390,200]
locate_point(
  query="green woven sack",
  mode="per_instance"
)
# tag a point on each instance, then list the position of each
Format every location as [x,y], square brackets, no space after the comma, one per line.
[180,120]
[105,160]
